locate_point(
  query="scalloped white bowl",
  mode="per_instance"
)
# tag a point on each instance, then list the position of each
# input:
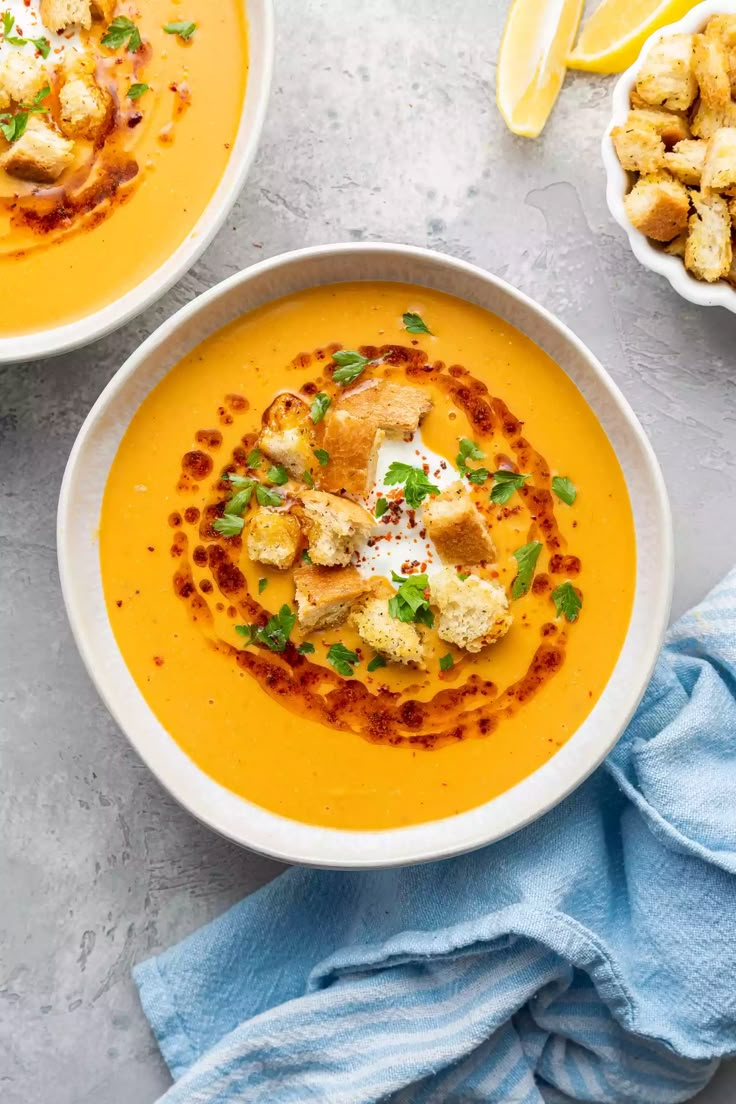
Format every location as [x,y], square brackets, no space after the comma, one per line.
[672,268]
[82,331]
[79,564]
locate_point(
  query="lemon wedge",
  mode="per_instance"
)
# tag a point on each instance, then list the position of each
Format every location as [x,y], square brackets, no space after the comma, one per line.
[612,38]
[537,39]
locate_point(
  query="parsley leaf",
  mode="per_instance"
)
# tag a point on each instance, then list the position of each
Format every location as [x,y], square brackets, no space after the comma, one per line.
[229,525]
[414,323]
[274,634]
[350,365]
[137,90]
[184,29]
[238,480]
[306,557]
[322,456]
[526,558]
[42,44]
[266,497]
[568,602]
[410,602]
[307,477]
[381,507]
[343,660]
[446,662]
[416,483]
[468,451]
[240,501]
[253,459]
[14,126]
[478,475]
[277,474]
[307,648]
[320,405]
[8,21]
[121,31]
[375,663]
[504,485]
[564,488]
[262,584]
[462,577]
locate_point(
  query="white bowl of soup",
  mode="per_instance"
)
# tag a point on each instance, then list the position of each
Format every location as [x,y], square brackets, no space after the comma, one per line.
[367,555]
[125,138]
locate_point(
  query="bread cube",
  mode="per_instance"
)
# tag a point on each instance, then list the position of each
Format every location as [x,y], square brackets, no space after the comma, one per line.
[473,612]
[638,147]
[658,205]
[333,526]
[719,170]
[22,76]
[685,162]
[707,120]
[398,641]
[62,15]
[723,27]
[710,66]
[394,407]
[670,126]
[40,155]
[324,595]
[353,445]
[85,107]
[457,529]
[273,537]
[287,436]
[676,248]
[708,252]
[666,77]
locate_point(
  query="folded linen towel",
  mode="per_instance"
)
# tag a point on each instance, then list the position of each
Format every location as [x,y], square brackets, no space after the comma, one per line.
[590,957]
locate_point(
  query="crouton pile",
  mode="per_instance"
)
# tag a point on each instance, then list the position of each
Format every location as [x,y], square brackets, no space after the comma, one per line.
[679,141]
[317,527]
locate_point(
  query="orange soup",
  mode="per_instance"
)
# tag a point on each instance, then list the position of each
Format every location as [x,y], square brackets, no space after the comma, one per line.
[376,642]
[115,131]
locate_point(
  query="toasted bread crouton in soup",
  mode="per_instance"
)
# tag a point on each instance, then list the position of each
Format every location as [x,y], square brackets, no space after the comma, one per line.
[352,445]
[287,436]
[398,641]
[396,408]
[273,538]
[474,612]
[66,15]
[456,528]
[324,595]
[333,527]
[41,155]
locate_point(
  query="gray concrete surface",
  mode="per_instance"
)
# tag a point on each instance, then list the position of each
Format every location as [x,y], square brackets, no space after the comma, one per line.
[382,126]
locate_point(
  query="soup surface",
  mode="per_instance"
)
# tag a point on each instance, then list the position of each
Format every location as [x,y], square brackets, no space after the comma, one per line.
[114,138]
[323,726]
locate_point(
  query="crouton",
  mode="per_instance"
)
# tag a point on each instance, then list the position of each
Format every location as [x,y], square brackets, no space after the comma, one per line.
[353,445]
[473,612]
[685,162]
[638,147]
[324,595]
[22,77]
[61,15]
[398,641]
[708,252]
[658,205]
[273,537]
[394,407]
[732,212]
[333,527]
[287,436]
[710,66]
[723,27]
[666,77]
[39,155]
[719,170]
[85,107]
[670,127]
[676,248]
[707,120]
[456,528]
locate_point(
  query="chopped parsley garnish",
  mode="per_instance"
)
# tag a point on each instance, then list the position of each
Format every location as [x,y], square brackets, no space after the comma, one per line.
[350,364]
[184,28]
[238,480]
[526,558]
[42,44]
[462,577]
[307,648]
[343,660]
[274,634]
[122,32]
[468,450]
[307,559]
[414,323]
[504,485]
[253,459]
[262,584]
[266,497]
[320,405]
[277,474]
[568,602]
[14,126]
[375,663]
[307,477]
[416,483]
[564,488]
[322,456]
[230,525]
[446,662]
[477,475]
[381,507]
[137,90]
[240,500]
[410,602]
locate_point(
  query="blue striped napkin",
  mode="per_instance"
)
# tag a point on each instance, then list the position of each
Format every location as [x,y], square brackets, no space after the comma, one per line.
[591,957]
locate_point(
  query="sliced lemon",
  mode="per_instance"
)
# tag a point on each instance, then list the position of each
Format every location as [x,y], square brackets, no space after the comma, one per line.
[537,38]
[612,38]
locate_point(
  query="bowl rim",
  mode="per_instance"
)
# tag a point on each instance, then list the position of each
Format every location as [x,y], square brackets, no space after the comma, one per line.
[41,344]
[288,840]
[617,179]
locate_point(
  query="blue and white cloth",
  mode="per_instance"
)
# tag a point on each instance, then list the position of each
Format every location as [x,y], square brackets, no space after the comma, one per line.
[590,957]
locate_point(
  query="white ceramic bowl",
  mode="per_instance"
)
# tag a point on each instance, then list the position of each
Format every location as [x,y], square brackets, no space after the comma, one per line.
[61,339]
[79,511]
[618,184]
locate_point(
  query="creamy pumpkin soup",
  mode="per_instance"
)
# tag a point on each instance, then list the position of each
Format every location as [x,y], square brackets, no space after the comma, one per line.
[116,123]
[368,555]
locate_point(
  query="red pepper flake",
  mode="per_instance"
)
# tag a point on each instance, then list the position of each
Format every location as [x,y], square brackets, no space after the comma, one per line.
[158,660]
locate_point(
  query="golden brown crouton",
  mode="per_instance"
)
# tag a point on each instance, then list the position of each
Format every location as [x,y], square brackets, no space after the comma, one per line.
[456,528]
[399,641]
[710,66]
[473,612]
[658,205]
[287,436]
[394,407]
[352,445]
[666,77]
[707,120]
[686,160]
[638,147]
[273,537]
[85,107]
[39,155]
[723,27]
[732,212]
[22,76]
[670,127]
[333,527]
[719,170]
[61,15]
[708,253]
[676,248]
[324,595]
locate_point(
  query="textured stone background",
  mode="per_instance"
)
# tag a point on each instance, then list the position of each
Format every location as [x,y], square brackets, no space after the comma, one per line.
[382,126]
